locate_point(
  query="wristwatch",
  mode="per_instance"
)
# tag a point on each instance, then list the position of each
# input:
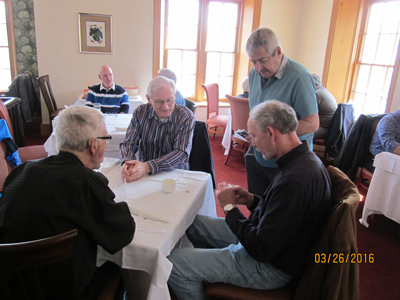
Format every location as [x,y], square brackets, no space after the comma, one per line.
[227,208]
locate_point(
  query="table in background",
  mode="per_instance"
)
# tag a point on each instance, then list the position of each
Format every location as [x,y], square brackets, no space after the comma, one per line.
[134,102]
[116,125]
[148,250]
[384,189]
[226,140]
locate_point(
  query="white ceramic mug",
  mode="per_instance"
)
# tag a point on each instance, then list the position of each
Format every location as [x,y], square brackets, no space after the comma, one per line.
[168,185]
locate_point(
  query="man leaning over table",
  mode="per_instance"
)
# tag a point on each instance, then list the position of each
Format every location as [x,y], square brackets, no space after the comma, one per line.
[269,248]
[161,131]
[275,76]
[113,98]
[62,192]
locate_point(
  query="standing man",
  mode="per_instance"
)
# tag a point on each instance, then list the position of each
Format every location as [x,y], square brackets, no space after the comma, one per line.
[274,76]
[160,130]
[62,192]
[270,247]
[113,98]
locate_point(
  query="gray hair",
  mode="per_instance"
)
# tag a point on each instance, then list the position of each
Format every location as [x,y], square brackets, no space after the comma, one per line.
[167,73]
[263,37]
[158,82]
[275,114]
[76,125]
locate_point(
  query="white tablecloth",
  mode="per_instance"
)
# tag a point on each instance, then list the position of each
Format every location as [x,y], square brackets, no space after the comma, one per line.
[134,102]
[384,191]
[148,250]
[116,125]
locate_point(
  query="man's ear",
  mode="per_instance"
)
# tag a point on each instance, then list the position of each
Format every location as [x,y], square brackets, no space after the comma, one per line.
[93,146]
[269,130]
[148,98]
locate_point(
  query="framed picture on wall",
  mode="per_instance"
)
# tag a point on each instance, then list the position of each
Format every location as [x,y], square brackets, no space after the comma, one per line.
[95,34]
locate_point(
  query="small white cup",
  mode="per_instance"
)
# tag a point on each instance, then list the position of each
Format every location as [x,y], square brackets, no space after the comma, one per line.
[168,185]
[96,106]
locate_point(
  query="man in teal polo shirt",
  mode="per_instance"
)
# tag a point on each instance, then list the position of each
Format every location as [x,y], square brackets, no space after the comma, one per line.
[274,76]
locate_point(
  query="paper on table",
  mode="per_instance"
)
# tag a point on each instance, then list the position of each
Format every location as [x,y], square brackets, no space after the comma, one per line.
[117,128]
[108,164]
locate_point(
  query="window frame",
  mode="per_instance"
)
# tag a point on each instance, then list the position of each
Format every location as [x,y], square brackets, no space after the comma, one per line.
[344,45]
[248,20]
[11,38]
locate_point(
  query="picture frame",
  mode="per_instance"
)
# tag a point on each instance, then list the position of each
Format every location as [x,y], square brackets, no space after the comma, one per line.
[95,35]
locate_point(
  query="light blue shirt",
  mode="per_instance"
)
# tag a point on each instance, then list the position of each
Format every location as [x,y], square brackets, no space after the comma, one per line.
[293,85]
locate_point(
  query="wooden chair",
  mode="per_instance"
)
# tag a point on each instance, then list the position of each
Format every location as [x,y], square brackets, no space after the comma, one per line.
[28,152]
[45,87]
[214,119]
[19,263]
[326,281]
[240,110]
[364,177]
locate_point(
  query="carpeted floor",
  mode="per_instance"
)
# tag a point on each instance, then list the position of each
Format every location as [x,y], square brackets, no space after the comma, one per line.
[377,280]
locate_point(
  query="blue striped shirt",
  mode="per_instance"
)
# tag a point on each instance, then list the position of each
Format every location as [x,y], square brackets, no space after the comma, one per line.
[112,101]
[164,145]
[387,135]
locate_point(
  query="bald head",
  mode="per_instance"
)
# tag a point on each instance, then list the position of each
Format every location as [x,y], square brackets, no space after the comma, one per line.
[106,76]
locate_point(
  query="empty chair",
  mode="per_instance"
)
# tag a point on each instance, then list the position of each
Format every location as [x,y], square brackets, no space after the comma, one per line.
[364,176]
[214,119]
[20,267]
[45,87]
[240,110]
[355,152]
[329,281]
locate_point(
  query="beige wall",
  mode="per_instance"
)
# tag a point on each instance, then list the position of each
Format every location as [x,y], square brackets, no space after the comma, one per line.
[71,71]
[302,26]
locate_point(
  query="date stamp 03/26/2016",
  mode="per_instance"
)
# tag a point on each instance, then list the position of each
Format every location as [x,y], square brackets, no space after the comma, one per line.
[344,258]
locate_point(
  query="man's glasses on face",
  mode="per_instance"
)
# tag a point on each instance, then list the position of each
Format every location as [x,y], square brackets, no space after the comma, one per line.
[106,138]
[159,102]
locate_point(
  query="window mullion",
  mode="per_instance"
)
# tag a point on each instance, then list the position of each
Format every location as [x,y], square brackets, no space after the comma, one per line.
[202,55]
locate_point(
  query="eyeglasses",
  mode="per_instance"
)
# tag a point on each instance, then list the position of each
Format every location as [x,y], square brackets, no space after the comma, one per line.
[107,138]
[162,102]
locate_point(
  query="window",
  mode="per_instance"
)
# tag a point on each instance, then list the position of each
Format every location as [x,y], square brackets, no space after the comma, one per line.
[199,41]
[376,59]
[7,56]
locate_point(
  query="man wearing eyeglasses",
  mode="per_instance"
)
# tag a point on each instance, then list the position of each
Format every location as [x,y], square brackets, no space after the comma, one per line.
[161,131]
[62,192]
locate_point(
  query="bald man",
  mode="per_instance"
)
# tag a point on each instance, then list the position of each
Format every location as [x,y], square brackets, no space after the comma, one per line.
[113,98]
